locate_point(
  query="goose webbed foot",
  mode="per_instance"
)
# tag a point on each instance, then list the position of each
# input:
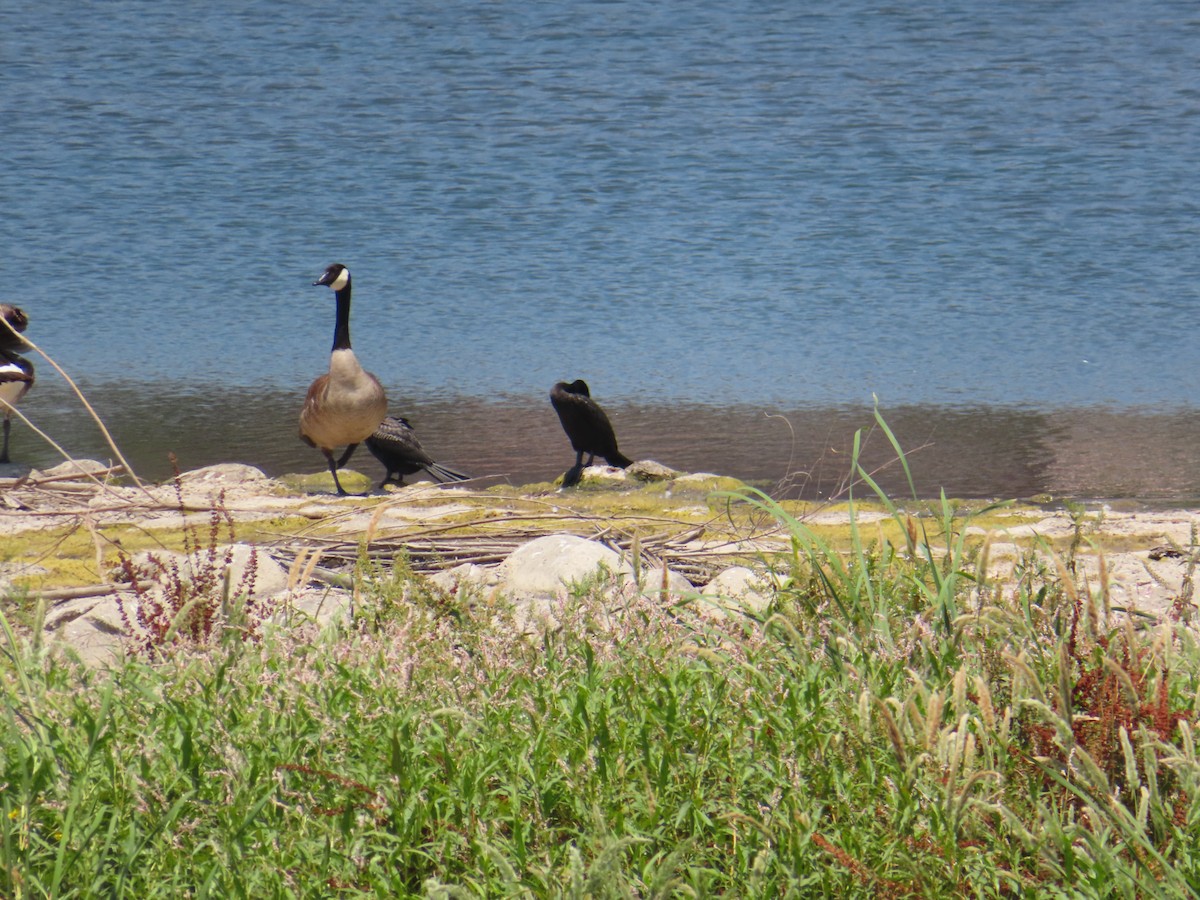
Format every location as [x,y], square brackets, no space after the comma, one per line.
[333,470]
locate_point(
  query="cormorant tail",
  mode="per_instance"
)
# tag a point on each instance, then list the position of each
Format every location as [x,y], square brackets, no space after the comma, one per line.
[619,460]
[441,473]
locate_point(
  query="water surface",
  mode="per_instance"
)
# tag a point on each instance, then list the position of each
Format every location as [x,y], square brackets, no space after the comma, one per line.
[710,211]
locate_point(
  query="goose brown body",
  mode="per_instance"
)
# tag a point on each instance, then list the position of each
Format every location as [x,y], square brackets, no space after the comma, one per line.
[344,406]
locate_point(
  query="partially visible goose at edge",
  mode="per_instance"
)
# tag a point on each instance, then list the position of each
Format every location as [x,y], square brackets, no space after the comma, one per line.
[345,405]
[587,426]
[395,444]
[16,372]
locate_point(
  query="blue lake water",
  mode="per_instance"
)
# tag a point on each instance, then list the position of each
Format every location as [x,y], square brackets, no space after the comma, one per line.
[769,206]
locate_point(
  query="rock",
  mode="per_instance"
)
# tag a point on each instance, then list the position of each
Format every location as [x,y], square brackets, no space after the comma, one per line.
[395,515]
[538,577]
[677,585]
[79,468]
[95,629]
[320,605]
[649,470]
[736,589]
[268,576]
[225,475]
[92,627]
[464,578]
[97,636]
[612,474]
[547,566]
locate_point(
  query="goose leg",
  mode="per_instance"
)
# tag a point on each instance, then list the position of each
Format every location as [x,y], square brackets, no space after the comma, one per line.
[346,456]
[7,427]
[333,467]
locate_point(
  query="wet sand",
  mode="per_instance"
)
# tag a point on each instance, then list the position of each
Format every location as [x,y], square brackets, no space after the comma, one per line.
[1092,453]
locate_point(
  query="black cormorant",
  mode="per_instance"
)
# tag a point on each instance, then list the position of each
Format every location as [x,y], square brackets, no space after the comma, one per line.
[395,444]
[587,426]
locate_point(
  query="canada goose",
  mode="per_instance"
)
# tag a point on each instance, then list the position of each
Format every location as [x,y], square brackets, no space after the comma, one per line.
[16,372]
[346,404]
[395,444]
[14,316]
[587,426]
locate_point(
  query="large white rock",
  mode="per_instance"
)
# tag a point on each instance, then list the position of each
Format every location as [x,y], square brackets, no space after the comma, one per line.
[92,627]
[78,468]
[736,589]
[95,629]
[538,577]
[268,576]
[547,566]
[466,577]
[318,605]
[677,585]
[224,475]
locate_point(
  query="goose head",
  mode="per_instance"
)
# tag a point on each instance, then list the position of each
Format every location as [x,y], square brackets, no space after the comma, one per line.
[335,277]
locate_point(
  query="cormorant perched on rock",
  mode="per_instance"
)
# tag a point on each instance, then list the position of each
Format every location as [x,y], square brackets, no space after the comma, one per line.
[587,426]
[346,404]
[16,372]
[395,444]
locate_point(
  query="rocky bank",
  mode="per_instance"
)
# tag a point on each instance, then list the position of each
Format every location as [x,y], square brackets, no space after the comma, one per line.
[98,551]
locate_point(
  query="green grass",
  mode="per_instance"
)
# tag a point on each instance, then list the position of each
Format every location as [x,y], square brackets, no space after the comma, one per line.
[895,726]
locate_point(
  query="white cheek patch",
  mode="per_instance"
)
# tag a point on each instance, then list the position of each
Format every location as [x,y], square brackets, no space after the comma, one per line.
[340,282]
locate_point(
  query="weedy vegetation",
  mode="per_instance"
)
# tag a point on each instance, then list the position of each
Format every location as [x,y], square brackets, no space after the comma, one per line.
[896,724]
[187,599]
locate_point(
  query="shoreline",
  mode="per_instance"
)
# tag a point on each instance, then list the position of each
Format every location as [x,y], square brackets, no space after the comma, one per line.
[1084,454]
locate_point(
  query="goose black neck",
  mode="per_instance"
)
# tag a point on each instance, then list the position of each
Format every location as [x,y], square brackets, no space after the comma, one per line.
[341,330]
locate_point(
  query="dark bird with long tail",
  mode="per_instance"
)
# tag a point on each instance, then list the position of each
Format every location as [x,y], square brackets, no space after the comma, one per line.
[395,444]
[587,427]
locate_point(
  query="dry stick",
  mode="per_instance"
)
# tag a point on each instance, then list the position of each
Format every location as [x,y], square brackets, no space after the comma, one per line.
[61,595]
[104,430]
[24,481]
[67,456]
